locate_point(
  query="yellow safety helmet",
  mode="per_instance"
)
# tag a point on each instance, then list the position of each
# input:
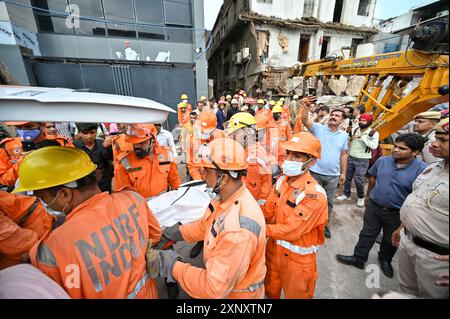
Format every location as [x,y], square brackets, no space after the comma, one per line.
[277,109]
[272,103]
[184,97]
[260,101]
[239,120]
[53,166]
[228,97]
[203,98]
[282,99]
[182,105]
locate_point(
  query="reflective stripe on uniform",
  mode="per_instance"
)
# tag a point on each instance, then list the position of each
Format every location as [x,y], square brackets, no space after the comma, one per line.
[140,284]
[279,182]
[297,249]
[251,288]
[45,255]
[320,189]
[299,198]
[28,213]
[126,163]
[249,224]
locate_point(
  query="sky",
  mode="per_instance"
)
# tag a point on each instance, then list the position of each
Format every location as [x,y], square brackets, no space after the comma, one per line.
[385,9]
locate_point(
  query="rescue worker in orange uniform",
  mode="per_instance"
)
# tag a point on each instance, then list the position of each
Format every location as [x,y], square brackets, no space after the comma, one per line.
[296,213]
[183,109]
[258,179]
[286,114]
[233,230]
[260,108]
[149,168]
[99,251]
[12,150]
[205,131]
[23,221]
[279,132]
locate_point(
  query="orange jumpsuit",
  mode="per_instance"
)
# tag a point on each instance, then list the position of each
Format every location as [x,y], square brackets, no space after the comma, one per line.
[99,251]
[194,147]
[23,220]
[259,173]
[11,156]
[286,114]
[298,128]
[234,246]
[183,118]
[149,176]
[62,140]
[263,111]
[296,216]
[119,145]
[279,132]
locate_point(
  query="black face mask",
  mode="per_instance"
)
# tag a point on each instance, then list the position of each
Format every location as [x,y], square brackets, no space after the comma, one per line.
[363,126]
[141,153]
[276,116]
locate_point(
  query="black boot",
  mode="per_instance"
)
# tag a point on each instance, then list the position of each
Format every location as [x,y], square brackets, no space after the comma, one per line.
[327,232]
[350,260]
[196,249]
[386,268]
[172,290]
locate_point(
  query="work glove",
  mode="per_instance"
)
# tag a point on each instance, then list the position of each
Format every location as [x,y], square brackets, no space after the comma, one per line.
[160,262]
[173,232]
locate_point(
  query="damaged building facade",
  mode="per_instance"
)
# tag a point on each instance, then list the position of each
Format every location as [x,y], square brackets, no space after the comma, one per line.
[256,42]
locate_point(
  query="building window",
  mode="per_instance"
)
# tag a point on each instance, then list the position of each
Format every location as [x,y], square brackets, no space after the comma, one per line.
[363,8]
[178,12]
[169,20]
[149,11]
[263,46]
[91,9]
[120,11]
[308,8]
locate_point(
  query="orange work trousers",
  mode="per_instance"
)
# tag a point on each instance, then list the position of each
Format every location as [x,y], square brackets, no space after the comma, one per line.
[294,273]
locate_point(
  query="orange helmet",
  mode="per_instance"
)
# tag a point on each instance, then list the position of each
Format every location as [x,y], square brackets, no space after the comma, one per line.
[224,154]
[138,133]
[304,143]
[206,122]
[16,123]
[261,121]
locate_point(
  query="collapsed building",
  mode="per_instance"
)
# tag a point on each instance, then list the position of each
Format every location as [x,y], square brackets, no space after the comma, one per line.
[261,43]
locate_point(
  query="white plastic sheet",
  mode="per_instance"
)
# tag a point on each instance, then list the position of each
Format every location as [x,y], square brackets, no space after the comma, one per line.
[184,205]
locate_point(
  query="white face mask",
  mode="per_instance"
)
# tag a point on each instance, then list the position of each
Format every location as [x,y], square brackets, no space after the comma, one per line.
[50,210]
[291,168]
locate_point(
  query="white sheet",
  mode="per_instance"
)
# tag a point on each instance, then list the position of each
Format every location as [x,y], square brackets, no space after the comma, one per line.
[185,205]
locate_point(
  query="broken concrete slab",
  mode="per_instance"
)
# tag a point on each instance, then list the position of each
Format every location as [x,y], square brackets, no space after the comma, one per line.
[354,85]
[338,86]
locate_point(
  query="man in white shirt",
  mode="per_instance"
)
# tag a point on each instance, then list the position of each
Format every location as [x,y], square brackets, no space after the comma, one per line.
[165,138]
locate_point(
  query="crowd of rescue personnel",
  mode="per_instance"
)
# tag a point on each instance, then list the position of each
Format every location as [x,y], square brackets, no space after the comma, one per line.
[74,213]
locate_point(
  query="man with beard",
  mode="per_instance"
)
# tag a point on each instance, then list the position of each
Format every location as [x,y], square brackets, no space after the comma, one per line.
[149,168]
[362,143]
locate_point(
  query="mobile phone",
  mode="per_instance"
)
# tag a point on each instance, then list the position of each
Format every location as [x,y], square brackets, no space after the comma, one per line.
[312,91]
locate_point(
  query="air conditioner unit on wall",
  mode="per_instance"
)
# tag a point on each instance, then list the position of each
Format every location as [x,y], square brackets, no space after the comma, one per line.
[237,58]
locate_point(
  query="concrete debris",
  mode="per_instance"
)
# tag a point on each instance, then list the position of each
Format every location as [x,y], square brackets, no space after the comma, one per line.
[334,102]
[295,84]
[319,88]
[354,85]
[309,24]
[338,86]
[283,41]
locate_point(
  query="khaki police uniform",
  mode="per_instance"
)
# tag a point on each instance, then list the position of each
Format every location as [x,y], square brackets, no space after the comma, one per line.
[424,215]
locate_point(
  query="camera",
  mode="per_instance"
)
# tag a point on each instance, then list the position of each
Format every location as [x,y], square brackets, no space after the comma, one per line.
[311,91]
